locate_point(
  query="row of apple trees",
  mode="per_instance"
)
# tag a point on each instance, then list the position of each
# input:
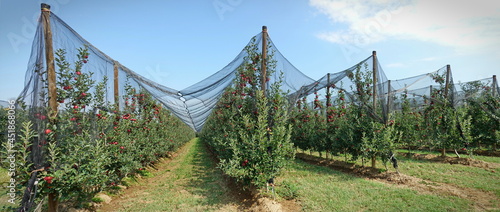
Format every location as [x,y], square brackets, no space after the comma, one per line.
[349,124]
[249,130]
[91,144]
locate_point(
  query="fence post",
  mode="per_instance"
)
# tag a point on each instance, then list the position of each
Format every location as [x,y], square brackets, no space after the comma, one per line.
[49,58]
[449,103]
[374,58]
[264,57]
[494,92]
[51,79]
[430,95]
[328,87]
[389,102]
[447,83]
[115,80]
[328,95]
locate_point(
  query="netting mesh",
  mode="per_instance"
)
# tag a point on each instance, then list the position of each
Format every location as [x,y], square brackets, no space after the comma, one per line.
[194,104]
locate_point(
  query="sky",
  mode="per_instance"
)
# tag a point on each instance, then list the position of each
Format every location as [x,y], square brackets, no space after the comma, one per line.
[179,43]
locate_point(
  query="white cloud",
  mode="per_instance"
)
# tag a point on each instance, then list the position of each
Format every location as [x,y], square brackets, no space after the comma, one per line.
[465,25]
[395,65]
[429,59]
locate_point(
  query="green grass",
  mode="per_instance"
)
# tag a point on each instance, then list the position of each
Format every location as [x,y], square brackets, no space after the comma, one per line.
[476,157]
[435,170]
[459,175]
[324,189]
[190,184]
[485,179]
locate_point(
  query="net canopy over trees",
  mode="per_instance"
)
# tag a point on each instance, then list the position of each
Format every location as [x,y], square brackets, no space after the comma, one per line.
[194,104]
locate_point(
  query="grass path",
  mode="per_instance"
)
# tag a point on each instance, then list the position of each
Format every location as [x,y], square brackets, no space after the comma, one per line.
[429,186]
[324,189]
[188,182]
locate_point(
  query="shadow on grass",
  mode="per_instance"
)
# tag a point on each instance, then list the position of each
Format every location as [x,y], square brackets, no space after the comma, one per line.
[353,169]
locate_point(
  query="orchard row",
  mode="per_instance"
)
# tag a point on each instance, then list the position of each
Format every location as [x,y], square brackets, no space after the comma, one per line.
[350,124]
[254,132]
[90,145]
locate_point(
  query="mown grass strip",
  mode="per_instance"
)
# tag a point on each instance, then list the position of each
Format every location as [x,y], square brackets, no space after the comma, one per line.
[476,157]
[459,175]
[486,179]
[324,189]
[192,184]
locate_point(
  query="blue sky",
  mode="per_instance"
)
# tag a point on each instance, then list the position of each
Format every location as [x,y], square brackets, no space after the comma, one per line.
[178,43]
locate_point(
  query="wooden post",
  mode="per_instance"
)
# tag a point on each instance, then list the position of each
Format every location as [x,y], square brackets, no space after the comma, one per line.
[447,83]
[328,95]
[374,57]
[494,89]
[446,88]
[49,58]
[116,91]
[264,56]
[430,95]
[389,102]
[51,80]
[328,104]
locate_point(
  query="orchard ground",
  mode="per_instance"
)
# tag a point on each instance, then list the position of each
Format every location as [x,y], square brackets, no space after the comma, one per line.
[190,181]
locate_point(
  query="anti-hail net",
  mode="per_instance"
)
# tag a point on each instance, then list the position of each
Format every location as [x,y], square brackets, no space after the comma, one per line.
[194,104]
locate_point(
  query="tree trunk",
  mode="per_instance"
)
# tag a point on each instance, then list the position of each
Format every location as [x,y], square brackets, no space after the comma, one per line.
[443,152]
[374,161]
[53,203]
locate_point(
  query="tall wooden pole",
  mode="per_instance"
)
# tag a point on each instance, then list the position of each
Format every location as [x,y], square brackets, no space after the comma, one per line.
[328,95]
[430,95]
[264,57]
[374,57]
[115,80]
[494,92]
[447,102]
[389,102]
[328,104]
[49,58]
[447,83]
[51,80]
